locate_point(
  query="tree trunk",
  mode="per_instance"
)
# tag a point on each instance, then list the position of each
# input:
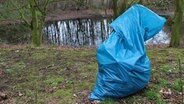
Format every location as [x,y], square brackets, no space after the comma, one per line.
[35,25]
[177,25]
[144,2]
[115,7]
[123,7]
[38,19]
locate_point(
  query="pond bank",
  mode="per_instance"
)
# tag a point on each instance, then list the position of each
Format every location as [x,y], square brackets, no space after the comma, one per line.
[79,14]
[68,14]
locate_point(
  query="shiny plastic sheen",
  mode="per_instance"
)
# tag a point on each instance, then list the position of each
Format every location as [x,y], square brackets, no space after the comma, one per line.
[124,67]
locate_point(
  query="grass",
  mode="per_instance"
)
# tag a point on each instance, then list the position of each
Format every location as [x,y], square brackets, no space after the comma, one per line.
[66,76]
[177,85]
[152,95]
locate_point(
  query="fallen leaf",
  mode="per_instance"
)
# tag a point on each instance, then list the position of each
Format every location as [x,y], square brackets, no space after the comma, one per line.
[20,94]
[74,95]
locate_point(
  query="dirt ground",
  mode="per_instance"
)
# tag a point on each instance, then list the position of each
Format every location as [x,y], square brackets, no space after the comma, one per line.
[57,75]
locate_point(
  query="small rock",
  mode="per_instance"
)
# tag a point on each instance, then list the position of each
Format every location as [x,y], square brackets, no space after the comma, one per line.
[20,94]
[74,95]
[17,51]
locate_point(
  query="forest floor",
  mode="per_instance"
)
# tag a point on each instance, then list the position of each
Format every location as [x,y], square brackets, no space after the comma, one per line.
[57,75]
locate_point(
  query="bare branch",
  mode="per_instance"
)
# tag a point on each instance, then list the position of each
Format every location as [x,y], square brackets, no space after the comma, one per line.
[38,7]
[21,12]
[46,5]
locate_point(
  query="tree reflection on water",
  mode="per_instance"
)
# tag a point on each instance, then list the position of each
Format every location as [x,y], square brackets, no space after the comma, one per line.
[86,32]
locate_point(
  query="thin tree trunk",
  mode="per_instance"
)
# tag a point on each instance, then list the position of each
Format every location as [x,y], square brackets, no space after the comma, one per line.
[92,34]
[115,7]
[35,25]
[77,35]
[102,30]
[52,38]
[58,33]
[55,34]
[177,25]
[123,7]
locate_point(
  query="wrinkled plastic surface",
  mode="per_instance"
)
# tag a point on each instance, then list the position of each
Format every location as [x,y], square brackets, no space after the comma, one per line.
[124,67]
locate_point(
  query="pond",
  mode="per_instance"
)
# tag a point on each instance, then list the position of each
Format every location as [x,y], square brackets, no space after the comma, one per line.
[87,32]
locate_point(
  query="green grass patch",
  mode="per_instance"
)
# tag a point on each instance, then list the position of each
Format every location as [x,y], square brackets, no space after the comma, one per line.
[178,85]
[163,83]
[152,95]
[68,75]
[63,93]
[39,56]
[53,80]
[167,68]
[109,101]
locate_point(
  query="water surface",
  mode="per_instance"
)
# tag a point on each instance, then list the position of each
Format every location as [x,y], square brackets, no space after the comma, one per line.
[87,32]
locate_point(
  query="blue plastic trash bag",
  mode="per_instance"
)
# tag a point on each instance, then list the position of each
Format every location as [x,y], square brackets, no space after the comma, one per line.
[124,67]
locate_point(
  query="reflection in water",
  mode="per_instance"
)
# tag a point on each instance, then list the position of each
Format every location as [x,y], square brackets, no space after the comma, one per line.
[86,32]
[80,32]
[161,38]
